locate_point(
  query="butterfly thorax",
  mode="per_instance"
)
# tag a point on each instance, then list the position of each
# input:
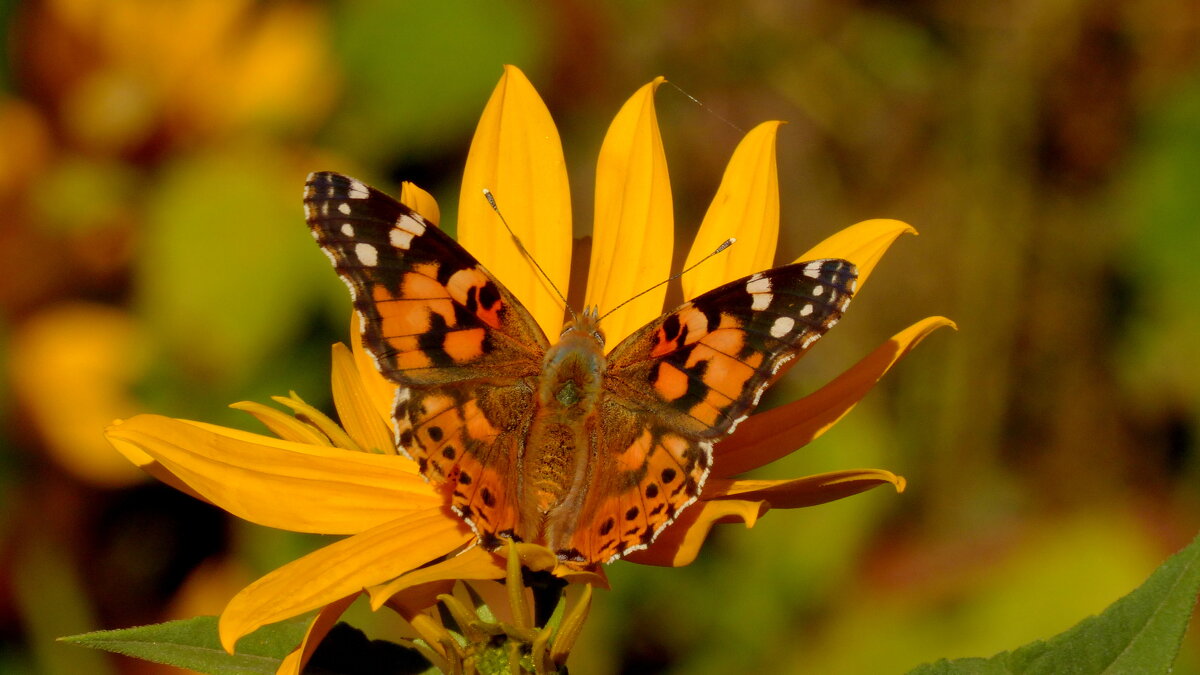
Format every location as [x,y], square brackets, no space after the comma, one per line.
[556,461]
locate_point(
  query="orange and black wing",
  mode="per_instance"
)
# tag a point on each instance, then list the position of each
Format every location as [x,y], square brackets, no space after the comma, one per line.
[703,366]
[467,438]
[441,326]
[682,383]
[430,313]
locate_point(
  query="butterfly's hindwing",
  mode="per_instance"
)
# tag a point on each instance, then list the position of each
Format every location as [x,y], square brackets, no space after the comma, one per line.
[707,362]
[430,312]
[466,438]
[645,477]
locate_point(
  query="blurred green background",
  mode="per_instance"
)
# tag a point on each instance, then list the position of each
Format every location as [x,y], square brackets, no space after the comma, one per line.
[153,257]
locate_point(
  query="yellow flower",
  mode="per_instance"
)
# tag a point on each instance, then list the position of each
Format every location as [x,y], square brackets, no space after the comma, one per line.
[72,365]
[320,477]
[135,75]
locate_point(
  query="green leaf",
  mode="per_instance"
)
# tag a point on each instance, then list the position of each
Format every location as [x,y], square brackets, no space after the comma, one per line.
[193,644]
[1140,633]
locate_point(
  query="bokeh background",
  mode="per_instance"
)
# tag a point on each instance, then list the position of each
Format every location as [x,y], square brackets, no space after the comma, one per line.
[153,257]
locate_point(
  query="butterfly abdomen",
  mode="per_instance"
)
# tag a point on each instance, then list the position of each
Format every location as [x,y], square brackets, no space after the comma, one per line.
[556,459]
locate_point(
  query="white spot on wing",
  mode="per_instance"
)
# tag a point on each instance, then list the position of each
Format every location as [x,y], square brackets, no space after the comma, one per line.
[806,310]
[357,190]
[757,283]
[818,290]
[348,229]
[366,254]
[410,224]
[400,238]
[813,270]
[782,326]
[344,209]
[759,288]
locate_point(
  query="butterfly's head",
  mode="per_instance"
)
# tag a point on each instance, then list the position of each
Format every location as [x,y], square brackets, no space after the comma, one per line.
[585,325]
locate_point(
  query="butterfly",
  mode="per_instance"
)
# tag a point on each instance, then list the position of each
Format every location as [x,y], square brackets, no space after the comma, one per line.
[591,453]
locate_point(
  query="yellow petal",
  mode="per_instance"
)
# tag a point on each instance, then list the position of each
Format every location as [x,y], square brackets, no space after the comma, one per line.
[747,208]
[341,569]
[332,430]
[681,541]
[471,564]
[634,228]
[318,628]
[147,463]
[420,201]
[767,436]
[595,578]
[516,153]
[862,244]
[801,492]
[277,483]
[440,646]
[282,424]
[381,392]
[355,407]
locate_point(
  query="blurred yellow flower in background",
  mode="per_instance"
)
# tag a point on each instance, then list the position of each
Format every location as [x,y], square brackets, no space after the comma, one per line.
[73,366]
[143,76]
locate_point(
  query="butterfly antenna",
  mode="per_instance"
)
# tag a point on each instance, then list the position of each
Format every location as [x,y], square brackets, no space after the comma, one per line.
[487,194]
[724,245]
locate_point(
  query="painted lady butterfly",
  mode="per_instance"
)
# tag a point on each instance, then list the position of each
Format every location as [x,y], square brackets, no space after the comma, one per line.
[589,453]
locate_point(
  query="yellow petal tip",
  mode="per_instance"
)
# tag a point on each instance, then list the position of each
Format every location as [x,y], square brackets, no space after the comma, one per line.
[228,639]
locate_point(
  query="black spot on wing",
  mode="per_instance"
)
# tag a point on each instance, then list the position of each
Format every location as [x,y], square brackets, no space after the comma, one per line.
[671,327]
[488,296]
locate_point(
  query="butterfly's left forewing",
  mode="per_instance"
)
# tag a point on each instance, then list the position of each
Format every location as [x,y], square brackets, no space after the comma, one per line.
[683,382]
[431,314]
[440,325]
